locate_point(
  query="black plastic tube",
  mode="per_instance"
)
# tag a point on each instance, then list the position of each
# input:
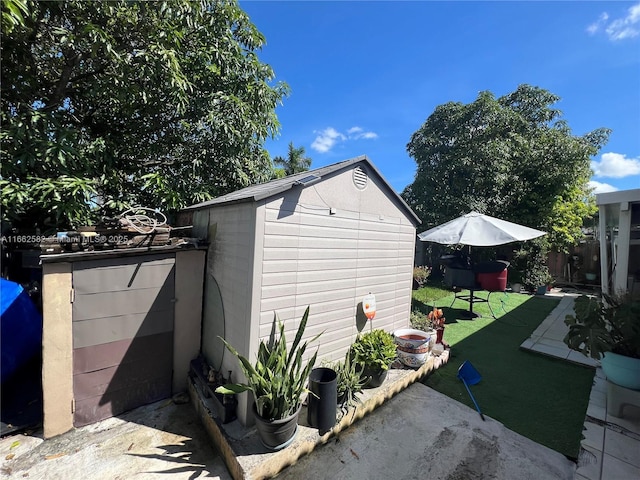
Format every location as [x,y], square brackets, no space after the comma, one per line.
[323,399]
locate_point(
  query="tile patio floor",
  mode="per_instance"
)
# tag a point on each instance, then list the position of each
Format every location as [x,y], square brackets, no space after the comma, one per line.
[611,447]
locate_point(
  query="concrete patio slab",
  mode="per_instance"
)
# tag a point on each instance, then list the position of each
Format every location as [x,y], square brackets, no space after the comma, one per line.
[161,440]
[424,434]
[247,458]
[611,444]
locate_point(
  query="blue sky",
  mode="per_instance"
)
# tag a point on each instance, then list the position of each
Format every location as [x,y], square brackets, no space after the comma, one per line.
[364,76]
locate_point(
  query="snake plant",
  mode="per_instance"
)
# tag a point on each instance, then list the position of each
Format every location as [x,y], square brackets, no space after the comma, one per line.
[279,377]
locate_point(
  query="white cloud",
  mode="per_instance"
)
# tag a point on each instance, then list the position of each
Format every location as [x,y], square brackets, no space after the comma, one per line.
[599,187]
[615,165]
[619,28]
[357,133]
[326,139]
[594,27]
[369,135]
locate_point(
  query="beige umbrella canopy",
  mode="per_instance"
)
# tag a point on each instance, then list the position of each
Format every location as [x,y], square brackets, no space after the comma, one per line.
[479,230]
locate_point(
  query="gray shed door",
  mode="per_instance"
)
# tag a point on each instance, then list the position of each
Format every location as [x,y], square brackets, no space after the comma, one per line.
[123,311]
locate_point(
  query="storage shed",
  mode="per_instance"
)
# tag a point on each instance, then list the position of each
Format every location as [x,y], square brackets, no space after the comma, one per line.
[322,238]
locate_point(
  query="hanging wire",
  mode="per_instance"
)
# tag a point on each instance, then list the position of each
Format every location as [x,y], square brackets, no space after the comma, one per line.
[143,223]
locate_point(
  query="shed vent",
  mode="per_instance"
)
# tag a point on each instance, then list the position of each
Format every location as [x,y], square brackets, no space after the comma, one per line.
[360,178]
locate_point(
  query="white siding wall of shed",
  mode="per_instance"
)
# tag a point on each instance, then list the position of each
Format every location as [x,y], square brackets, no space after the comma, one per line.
[231,232]
[330,261]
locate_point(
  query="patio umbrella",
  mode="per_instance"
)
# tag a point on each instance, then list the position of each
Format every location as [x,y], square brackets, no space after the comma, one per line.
[478,230]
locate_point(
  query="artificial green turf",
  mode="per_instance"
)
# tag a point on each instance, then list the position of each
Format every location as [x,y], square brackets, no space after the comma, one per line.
[542,398]
[428,294]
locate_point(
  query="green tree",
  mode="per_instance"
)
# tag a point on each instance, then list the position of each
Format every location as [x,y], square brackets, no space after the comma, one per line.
[295,162]
[111,104]
[513,157]
[13,13]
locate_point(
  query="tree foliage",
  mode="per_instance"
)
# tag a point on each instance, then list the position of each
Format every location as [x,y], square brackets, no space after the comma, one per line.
[110,104]
[295,162]
[512,157]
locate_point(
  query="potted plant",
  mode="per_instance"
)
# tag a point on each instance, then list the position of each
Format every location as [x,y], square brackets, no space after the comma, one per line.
[350,381]
[608,329]
[436,317]
[515,279]
[374,352]
[531,260]
[277,381]
[537,279]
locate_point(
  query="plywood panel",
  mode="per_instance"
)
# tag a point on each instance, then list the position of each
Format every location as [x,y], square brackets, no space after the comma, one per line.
[98,357]
[111,329]
[140,272]
[135,368]
[148,391]
[114,304]
[123,319]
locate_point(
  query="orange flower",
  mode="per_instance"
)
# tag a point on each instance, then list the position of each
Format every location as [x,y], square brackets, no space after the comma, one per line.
[436,316]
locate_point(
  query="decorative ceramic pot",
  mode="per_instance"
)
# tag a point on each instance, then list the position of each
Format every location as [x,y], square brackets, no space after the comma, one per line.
[622,370]
[276,434]
[410,338]
[413,357]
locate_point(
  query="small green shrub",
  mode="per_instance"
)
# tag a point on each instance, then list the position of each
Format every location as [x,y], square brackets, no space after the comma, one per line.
[420,275]
[349,381]
[375,349]
[419,321]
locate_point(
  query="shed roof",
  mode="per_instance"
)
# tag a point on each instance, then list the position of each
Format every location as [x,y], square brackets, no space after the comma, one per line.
[262,191]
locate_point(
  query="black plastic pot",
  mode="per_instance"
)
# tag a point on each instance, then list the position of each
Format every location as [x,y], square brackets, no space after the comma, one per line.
[321,411]
[373,376]
[276,434]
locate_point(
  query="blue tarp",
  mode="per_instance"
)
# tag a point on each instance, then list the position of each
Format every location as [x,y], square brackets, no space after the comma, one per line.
[20,328]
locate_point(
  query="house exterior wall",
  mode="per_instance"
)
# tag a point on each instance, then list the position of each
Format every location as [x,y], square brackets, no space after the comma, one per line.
[616,213]
[329,261]
[230,230]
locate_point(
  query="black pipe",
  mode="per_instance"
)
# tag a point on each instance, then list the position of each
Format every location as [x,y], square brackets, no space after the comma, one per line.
[323,399]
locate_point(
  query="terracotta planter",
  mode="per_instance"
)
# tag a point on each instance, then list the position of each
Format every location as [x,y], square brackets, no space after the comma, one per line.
[276,434]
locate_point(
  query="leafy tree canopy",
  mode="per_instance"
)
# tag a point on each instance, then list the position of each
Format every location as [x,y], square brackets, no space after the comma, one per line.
[295,162]
[111,104]
[512,157]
